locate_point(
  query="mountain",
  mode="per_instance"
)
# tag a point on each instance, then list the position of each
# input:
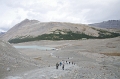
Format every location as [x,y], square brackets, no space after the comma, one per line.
[1,34]
[111,24]
[34,30]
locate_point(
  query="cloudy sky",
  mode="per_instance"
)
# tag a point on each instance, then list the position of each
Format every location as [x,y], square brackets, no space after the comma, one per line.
[74,11]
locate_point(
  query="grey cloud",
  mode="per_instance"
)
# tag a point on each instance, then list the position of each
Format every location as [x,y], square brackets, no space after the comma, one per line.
[102,13]
[75,11]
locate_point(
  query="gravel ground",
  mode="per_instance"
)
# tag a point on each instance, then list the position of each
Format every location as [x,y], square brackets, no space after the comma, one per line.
[86,54]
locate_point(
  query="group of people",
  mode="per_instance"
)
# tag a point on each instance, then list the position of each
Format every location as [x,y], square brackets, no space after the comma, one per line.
[57,65]
[62,64]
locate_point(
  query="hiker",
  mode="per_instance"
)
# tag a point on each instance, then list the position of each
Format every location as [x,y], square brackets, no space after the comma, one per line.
[72,62]
[69,62]
[63,67]
[66,62]
[60,63]
[57,65]
[63,61]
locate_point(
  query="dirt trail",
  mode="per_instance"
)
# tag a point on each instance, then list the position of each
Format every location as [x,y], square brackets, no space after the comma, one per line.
[47,73]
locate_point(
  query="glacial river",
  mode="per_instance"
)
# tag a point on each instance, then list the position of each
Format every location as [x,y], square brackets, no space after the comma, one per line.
[35,47]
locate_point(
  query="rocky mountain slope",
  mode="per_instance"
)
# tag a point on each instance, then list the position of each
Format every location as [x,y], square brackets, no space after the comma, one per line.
[111,24]
[34,30]
[11,61]
[1,34]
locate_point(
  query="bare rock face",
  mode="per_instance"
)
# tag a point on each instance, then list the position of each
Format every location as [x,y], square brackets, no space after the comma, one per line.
[111,24]
[11,60]
[35,28]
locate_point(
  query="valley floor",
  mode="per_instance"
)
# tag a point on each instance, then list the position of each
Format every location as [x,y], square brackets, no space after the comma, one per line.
[88,55]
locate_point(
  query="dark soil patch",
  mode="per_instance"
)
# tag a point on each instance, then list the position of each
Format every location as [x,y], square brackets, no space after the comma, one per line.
[111,54]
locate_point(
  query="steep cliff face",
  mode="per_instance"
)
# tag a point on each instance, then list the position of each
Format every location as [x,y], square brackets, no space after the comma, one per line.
[111,24]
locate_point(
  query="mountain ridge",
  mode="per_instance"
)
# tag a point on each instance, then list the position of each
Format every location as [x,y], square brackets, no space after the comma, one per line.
[57,30]
[35,28]
[110,24]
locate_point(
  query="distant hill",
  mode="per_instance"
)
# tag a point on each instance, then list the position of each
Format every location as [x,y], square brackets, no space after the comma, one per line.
[111,24]
[1,34]
[32,30]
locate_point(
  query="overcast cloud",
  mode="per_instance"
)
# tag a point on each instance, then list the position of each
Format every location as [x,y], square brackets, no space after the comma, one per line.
[74,11]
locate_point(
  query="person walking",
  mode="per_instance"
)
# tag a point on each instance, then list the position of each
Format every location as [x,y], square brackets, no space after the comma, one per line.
[66,62]
[72,62]
[63,67]
[57,65]
[60,63]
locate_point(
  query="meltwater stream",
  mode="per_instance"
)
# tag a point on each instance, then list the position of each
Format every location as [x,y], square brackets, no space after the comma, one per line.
[35,47]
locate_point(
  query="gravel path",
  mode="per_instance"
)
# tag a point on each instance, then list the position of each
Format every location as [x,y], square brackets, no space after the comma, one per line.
[47,73]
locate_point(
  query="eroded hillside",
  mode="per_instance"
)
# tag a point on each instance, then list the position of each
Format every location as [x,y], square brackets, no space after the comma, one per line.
[11,61]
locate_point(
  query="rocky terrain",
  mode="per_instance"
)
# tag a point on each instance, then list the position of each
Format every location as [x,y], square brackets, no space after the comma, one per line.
[93,58]
[11,60]
[110,25]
